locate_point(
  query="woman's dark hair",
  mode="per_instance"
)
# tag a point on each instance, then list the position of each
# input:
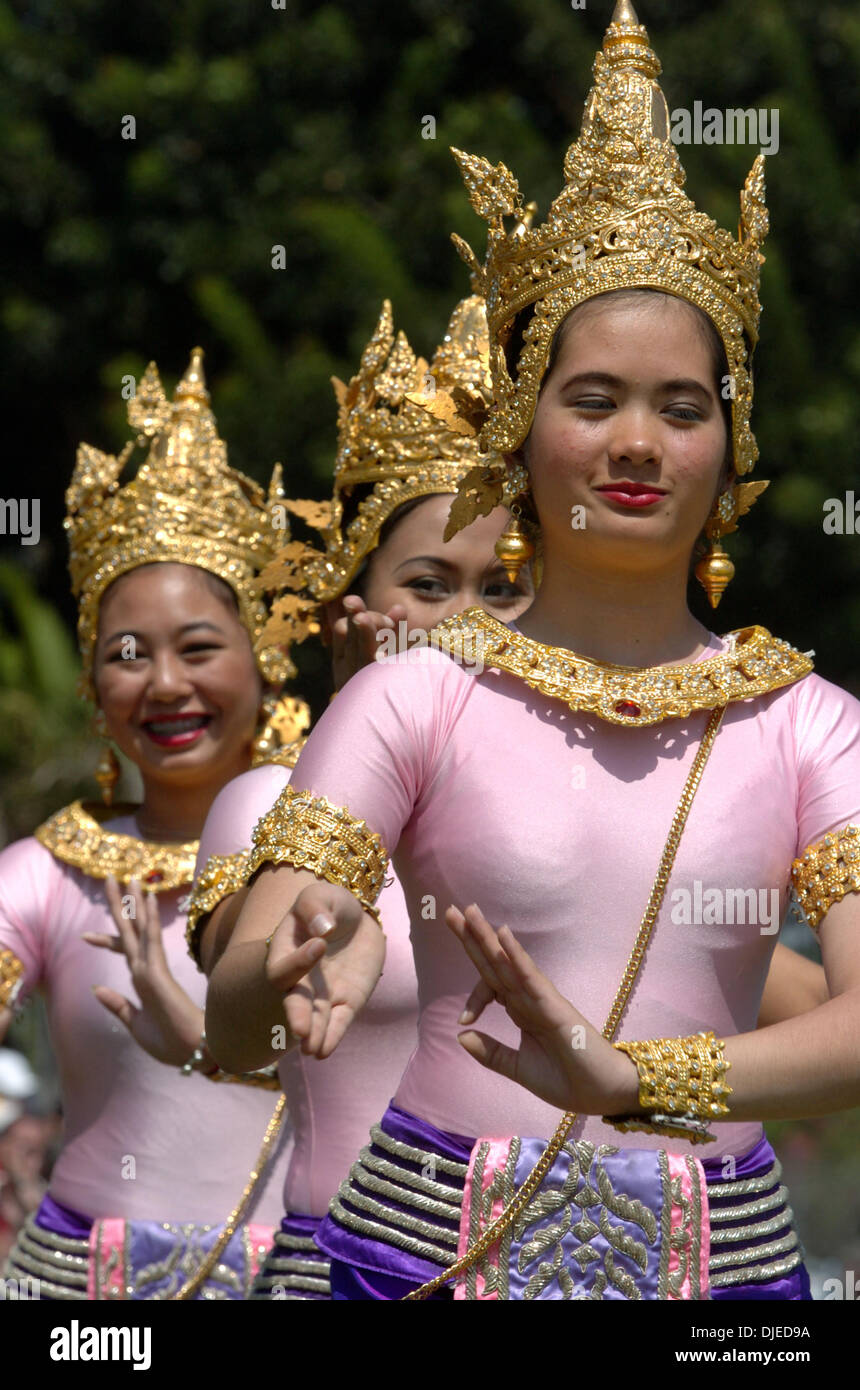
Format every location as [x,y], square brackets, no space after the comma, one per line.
[359,579]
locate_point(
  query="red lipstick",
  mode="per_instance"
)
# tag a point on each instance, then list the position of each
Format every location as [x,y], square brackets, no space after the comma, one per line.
[176,730]
[632,494]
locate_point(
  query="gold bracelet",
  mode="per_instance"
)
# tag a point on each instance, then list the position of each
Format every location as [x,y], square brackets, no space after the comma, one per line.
[682,1086]
[11,975]
[308,832]
[221,876]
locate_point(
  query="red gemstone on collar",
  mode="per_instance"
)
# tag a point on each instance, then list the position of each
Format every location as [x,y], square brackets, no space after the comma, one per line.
[155,877]
[628,708]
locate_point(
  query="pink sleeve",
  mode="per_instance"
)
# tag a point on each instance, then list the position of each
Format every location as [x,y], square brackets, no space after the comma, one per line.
[375,748]
[236,810]
[827,731]
[28,882]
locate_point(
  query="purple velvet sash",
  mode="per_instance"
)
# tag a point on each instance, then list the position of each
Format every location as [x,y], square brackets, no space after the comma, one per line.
[610,1225]
[143,1260]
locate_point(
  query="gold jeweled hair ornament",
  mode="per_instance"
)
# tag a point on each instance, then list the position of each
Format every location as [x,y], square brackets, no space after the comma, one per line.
[185,504]
[622,221]
[399,433]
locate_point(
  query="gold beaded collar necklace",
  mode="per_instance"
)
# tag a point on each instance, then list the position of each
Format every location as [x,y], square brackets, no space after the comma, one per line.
[76,836]
[754,664]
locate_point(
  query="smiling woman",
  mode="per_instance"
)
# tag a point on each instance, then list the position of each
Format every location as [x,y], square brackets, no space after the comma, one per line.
[386,575]
[179,688]
[153,1160]
[644,452]
[608,746]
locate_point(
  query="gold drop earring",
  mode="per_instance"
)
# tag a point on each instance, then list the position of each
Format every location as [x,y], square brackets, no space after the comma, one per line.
[283,722]
[107,770]
[514,548]
[716,571]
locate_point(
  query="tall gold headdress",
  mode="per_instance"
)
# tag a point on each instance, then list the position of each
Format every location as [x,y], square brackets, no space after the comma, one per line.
[185,504]
[401,438]
[622,221]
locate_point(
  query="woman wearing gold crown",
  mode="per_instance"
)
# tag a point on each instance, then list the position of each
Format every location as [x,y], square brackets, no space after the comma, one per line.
[383,559]
[164,570]
[633,795]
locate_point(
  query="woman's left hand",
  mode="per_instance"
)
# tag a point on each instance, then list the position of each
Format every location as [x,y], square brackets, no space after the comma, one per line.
[168,1023]
[561,1058]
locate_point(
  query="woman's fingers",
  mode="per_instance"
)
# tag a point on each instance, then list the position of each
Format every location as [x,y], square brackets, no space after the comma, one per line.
[287,971]
[327,910]
[493,1055]
[529,977]
[116,1004]
[476,947]
[482,947]
[340,1018]
[106,943]
[354,603]
[125,910]
[298,1008]
[113,897]
[478,1000]
[488,939]
[320,1014]
[151,935]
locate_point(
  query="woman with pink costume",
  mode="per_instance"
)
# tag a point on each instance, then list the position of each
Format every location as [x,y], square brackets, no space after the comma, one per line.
[606,761]
[143,1199]
[385,576]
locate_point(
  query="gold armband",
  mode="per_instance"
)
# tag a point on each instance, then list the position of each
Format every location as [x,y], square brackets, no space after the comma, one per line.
[682,1086]
[223,874]
[826,871]
[308,832]
[11,974]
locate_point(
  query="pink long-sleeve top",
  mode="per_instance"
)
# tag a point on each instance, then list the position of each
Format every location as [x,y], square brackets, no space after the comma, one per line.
[331,1104]
[193,1142]
[554,822]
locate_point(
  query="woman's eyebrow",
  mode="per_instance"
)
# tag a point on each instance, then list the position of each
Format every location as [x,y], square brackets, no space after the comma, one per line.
[600,378]
[180,632]
[424,560]
[684,383]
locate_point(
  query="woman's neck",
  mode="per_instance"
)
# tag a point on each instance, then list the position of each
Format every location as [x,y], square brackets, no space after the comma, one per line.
[627,620]
[178,813]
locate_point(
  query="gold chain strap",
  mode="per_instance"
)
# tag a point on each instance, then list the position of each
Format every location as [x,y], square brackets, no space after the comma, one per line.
[619,1004]
[273,1129]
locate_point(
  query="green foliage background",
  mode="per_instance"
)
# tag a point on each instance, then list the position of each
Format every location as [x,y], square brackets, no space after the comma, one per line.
[301,126]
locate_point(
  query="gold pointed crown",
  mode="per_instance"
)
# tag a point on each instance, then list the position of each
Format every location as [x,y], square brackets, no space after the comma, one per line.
[185,504]
[622,221]
[404,432]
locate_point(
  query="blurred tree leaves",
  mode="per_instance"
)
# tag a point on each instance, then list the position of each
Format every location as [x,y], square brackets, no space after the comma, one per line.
[45,746]
[301,127]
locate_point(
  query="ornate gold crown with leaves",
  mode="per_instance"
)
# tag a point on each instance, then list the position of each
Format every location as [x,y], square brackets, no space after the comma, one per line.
[185,504]
[405,428]
[622,221]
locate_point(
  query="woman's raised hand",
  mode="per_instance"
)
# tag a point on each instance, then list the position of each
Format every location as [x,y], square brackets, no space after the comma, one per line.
[355,636]
[167,1024]
[320,1008]
[561,1058]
